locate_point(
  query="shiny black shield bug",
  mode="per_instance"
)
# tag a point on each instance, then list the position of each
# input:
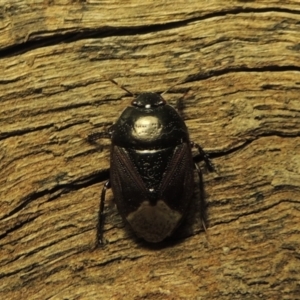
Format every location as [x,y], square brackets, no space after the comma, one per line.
[151,168]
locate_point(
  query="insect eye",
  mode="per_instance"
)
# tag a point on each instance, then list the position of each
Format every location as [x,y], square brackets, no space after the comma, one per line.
[148,100]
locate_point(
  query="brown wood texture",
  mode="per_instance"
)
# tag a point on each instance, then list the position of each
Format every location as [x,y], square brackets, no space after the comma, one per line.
[238,63]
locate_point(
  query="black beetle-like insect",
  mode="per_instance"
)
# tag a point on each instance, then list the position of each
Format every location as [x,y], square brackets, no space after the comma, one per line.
[151,168]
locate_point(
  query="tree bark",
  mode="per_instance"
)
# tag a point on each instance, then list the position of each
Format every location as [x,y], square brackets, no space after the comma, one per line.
[235,65]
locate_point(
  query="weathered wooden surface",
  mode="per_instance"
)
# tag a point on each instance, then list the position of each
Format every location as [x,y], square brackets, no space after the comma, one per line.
[240,63]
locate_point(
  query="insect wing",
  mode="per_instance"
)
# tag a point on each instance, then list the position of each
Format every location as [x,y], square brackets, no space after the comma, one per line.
[128,187]
[177,184]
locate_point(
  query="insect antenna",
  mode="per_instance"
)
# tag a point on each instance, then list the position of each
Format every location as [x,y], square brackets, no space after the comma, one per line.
[176,83]
[121,87]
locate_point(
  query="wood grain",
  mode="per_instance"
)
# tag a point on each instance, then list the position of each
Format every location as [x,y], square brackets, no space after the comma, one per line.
[237,65]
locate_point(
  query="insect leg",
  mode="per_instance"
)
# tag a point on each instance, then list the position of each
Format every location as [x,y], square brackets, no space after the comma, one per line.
[202,199]
[204,156]
[100,224]
[91,138]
